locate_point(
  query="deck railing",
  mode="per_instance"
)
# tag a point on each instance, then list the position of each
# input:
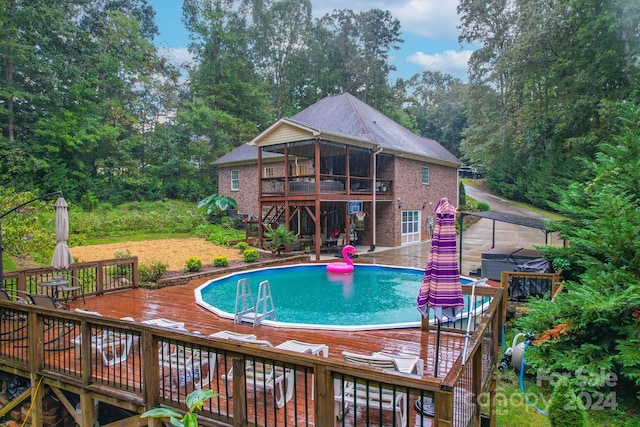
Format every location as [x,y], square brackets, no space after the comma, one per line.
[93,278]
[136,366]
[328,184]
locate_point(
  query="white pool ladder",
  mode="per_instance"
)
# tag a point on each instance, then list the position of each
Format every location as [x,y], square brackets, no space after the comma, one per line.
[246,310]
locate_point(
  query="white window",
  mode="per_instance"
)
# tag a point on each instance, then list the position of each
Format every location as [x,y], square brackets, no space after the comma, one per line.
[268,172]
[235,180]
[410,227]
[425,174]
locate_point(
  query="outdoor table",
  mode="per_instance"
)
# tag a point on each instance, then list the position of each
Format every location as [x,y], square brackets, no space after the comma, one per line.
[331,243]
[57,286]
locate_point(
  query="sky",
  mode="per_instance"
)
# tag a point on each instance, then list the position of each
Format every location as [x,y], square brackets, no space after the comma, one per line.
[428,28]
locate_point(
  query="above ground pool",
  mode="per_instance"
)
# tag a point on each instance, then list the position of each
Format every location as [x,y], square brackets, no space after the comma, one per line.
[307,296]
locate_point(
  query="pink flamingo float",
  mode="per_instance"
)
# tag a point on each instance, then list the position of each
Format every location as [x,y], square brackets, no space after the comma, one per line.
[347,265]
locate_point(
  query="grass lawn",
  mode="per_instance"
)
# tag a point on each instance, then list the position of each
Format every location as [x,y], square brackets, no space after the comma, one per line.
[514,409]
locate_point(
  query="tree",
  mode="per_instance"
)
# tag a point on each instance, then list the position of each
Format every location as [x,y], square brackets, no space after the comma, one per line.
[278,36]
[548,83]
[360,45]
[437,103]
[599,314]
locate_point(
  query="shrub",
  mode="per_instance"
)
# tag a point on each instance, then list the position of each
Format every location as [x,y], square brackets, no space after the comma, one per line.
[242,246]
[121,270]
[483,206]
[564,410]
[88,201]
[238,223]
[193,264]
[221,261]
[152,272]
[251,255]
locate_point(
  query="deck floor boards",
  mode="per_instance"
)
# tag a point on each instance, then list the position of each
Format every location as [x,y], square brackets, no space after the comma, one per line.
[178,303]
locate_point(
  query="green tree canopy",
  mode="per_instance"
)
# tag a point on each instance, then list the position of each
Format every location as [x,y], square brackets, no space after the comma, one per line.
[599,314]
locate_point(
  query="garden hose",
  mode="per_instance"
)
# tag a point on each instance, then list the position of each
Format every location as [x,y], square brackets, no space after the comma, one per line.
[526,344]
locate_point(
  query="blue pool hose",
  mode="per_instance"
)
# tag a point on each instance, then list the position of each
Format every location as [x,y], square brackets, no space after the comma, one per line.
[526,344]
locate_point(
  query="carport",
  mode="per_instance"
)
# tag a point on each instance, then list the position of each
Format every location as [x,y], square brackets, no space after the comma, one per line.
[504,217]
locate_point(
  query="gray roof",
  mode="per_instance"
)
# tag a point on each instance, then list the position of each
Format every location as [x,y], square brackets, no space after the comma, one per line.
[245,154]
[346,115]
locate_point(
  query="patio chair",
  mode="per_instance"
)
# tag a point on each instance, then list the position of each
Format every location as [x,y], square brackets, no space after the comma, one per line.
[189,366]
[13,323]
[113,346]
[259,375]
[56,331]
[371,396]
[230,335]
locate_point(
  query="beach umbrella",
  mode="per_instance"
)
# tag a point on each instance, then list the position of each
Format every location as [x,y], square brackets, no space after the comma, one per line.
[61,255]
[441,288]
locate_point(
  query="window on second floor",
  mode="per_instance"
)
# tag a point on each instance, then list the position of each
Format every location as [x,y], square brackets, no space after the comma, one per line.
[425,174]
[235,180]
[268,172]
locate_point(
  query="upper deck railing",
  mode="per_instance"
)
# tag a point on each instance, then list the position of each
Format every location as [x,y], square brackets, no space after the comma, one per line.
[328,184]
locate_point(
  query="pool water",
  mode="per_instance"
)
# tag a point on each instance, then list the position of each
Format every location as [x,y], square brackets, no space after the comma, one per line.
[306,295]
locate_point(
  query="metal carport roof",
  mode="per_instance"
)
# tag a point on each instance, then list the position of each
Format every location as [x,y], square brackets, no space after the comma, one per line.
[508,218]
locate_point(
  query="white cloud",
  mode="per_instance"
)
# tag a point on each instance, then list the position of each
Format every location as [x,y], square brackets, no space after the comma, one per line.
[176,55]
[447,62]
[435,19]
[427,18]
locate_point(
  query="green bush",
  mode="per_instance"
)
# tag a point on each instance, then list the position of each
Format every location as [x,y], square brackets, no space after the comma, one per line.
[121,270]
[221,261]
[242,246]
[152,272]
[193,264]
[564,410]
[251,255]
[89,201]
[483,206]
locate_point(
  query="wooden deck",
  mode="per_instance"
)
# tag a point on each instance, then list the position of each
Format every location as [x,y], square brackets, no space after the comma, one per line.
[178,303]
[137,383]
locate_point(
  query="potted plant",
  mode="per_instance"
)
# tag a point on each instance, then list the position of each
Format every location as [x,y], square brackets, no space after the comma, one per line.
[278,238]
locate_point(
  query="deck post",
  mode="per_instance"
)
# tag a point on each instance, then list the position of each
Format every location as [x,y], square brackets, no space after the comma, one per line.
[239,392]
[99,278]
[323,399]
[443,416]
[476,386]
[149,346]
[87,409]
[36,350]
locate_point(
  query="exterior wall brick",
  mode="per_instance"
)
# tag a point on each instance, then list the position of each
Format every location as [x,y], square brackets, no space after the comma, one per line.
[247,196]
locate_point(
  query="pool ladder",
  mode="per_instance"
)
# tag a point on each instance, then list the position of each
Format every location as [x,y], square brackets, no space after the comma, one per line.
[246,310]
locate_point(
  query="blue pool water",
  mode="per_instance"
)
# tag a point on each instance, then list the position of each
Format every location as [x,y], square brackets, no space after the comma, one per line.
[307,296]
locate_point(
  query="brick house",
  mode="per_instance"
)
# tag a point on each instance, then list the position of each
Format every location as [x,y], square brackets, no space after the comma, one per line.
[340,167]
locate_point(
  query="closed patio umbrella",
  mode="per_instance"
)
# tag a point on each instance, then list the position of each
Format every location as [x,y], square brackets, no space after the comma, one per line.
[441,288]
[61,255]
